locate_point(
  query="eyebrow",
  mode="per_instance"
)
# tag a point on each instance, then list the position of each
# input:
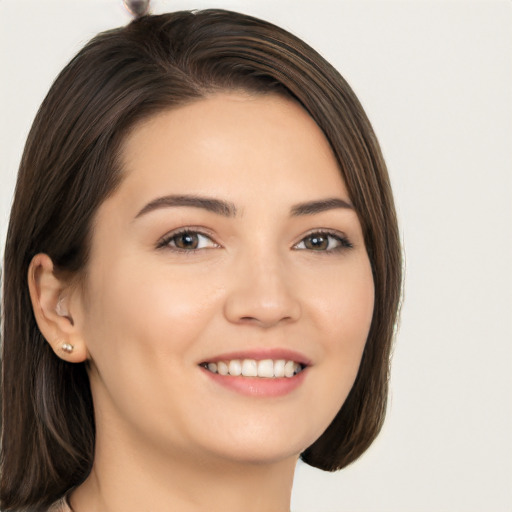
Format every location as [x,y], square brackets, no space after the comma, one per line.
[228,209]
[313,207]
[224,208]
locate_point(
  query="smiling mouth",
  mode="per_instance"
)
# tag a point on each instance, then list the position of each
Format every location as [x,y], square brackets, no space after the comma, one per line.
[265,368]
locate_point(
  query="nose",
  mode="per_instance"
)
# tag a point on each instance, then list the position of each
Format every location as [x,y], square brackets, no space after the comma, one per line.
[262,293]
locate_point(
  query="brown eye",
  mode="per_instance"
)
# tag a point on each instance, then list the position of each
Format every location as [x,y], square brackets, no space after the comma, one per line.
[324,242]
[188,241]
[317,242]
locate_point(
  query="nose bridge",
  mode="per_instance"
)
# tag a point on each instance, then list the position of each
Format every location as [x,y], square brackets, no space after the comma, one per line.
[262,289]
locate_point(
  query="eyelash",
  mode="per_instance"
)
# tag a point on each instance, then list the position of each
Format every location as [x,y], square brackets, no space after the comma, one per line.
[167,239]
[342,241]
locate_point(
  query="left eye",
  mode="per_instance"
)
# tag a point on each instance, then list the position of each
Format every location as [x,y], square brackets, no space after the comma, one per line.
[323,242]
[188,241]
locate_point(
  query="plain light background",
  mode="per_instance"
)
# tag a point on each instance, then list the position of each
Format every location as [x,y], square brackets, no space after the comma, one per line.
[436,80]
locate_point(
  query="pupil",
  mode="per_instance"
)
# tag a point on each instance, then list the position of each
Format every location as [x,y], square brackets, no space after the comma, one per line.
[318,242]
[187,241]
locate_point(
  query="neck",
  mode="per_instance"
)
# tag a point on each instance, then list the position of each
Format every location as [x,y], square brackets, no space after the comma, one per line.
[124,479]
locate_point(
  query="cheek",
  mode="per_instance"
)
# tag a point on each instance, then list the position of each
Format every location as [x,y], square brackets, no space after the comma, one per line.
[148,302]
[344,302]
[344,315]
[339,311]
[141,330]
[144,330]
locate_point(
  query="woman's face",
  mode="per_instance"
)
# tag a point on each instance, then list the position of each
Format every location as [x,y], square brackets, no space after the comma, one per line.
[231,238]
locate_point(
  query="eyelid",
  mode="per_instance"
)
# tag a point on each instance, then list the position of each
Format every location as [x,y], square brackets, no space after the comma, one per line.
[164,241]
[344,241]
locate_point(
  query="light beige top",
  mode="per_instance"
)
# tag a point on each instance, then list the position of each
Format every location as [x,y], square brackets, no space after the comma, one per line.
[60,506]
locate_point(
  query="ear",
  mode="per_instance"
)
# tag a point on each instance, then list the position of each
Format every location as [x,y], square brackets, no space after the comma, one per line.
[53,304]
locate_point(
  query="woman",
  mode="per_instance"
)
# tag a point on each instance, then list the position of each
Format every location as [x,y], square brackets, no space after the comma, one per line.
[208,231]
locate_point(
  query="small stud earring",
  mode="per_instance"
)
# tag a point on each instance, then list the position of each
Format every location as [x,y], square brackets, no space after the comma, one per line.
[67,347]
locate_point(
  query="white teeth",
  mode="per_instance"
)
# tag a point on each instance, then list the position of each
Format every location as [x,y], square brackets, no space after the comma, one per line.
[222,368]
[266,368]
[279,367]
[235,367]
[289,369]
[249,368]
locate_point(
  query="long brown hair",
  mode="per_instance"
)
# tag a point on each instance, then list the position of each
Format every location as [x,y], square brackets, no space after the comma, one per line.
[71,165]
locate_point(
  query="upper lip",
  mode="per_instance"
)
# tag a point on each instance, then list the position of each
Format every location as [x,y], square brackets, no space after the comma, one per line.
[260,354]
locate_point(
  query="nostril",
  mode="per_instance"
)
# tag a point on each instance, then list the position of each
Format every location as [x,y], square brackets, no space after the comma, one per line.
[264,321]
[263,303]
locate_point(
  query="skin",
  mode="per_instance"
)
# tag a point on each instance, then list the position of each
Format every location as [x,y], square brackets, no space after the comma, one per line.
[168,436]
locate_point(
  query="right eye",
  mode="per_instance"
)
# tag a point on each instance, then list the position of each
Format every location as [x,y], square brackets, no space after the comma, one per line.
[324,241]
[187,241]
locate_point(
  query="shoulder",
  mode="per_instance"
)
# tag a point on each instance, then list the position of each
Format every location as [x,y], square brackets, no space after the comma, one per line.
[60,506]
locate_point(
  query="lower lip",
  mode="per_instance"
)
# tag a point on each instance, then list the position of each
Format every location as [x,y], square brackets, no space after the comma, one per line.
[258,386]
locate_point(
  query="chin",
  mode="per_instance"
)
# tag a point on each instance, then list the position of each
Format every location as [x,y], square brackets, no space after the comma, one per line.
[263,443]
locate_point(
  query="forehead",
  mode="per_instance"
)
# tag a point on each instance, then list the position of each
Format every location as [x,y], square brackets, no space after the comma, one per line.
[228,142]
